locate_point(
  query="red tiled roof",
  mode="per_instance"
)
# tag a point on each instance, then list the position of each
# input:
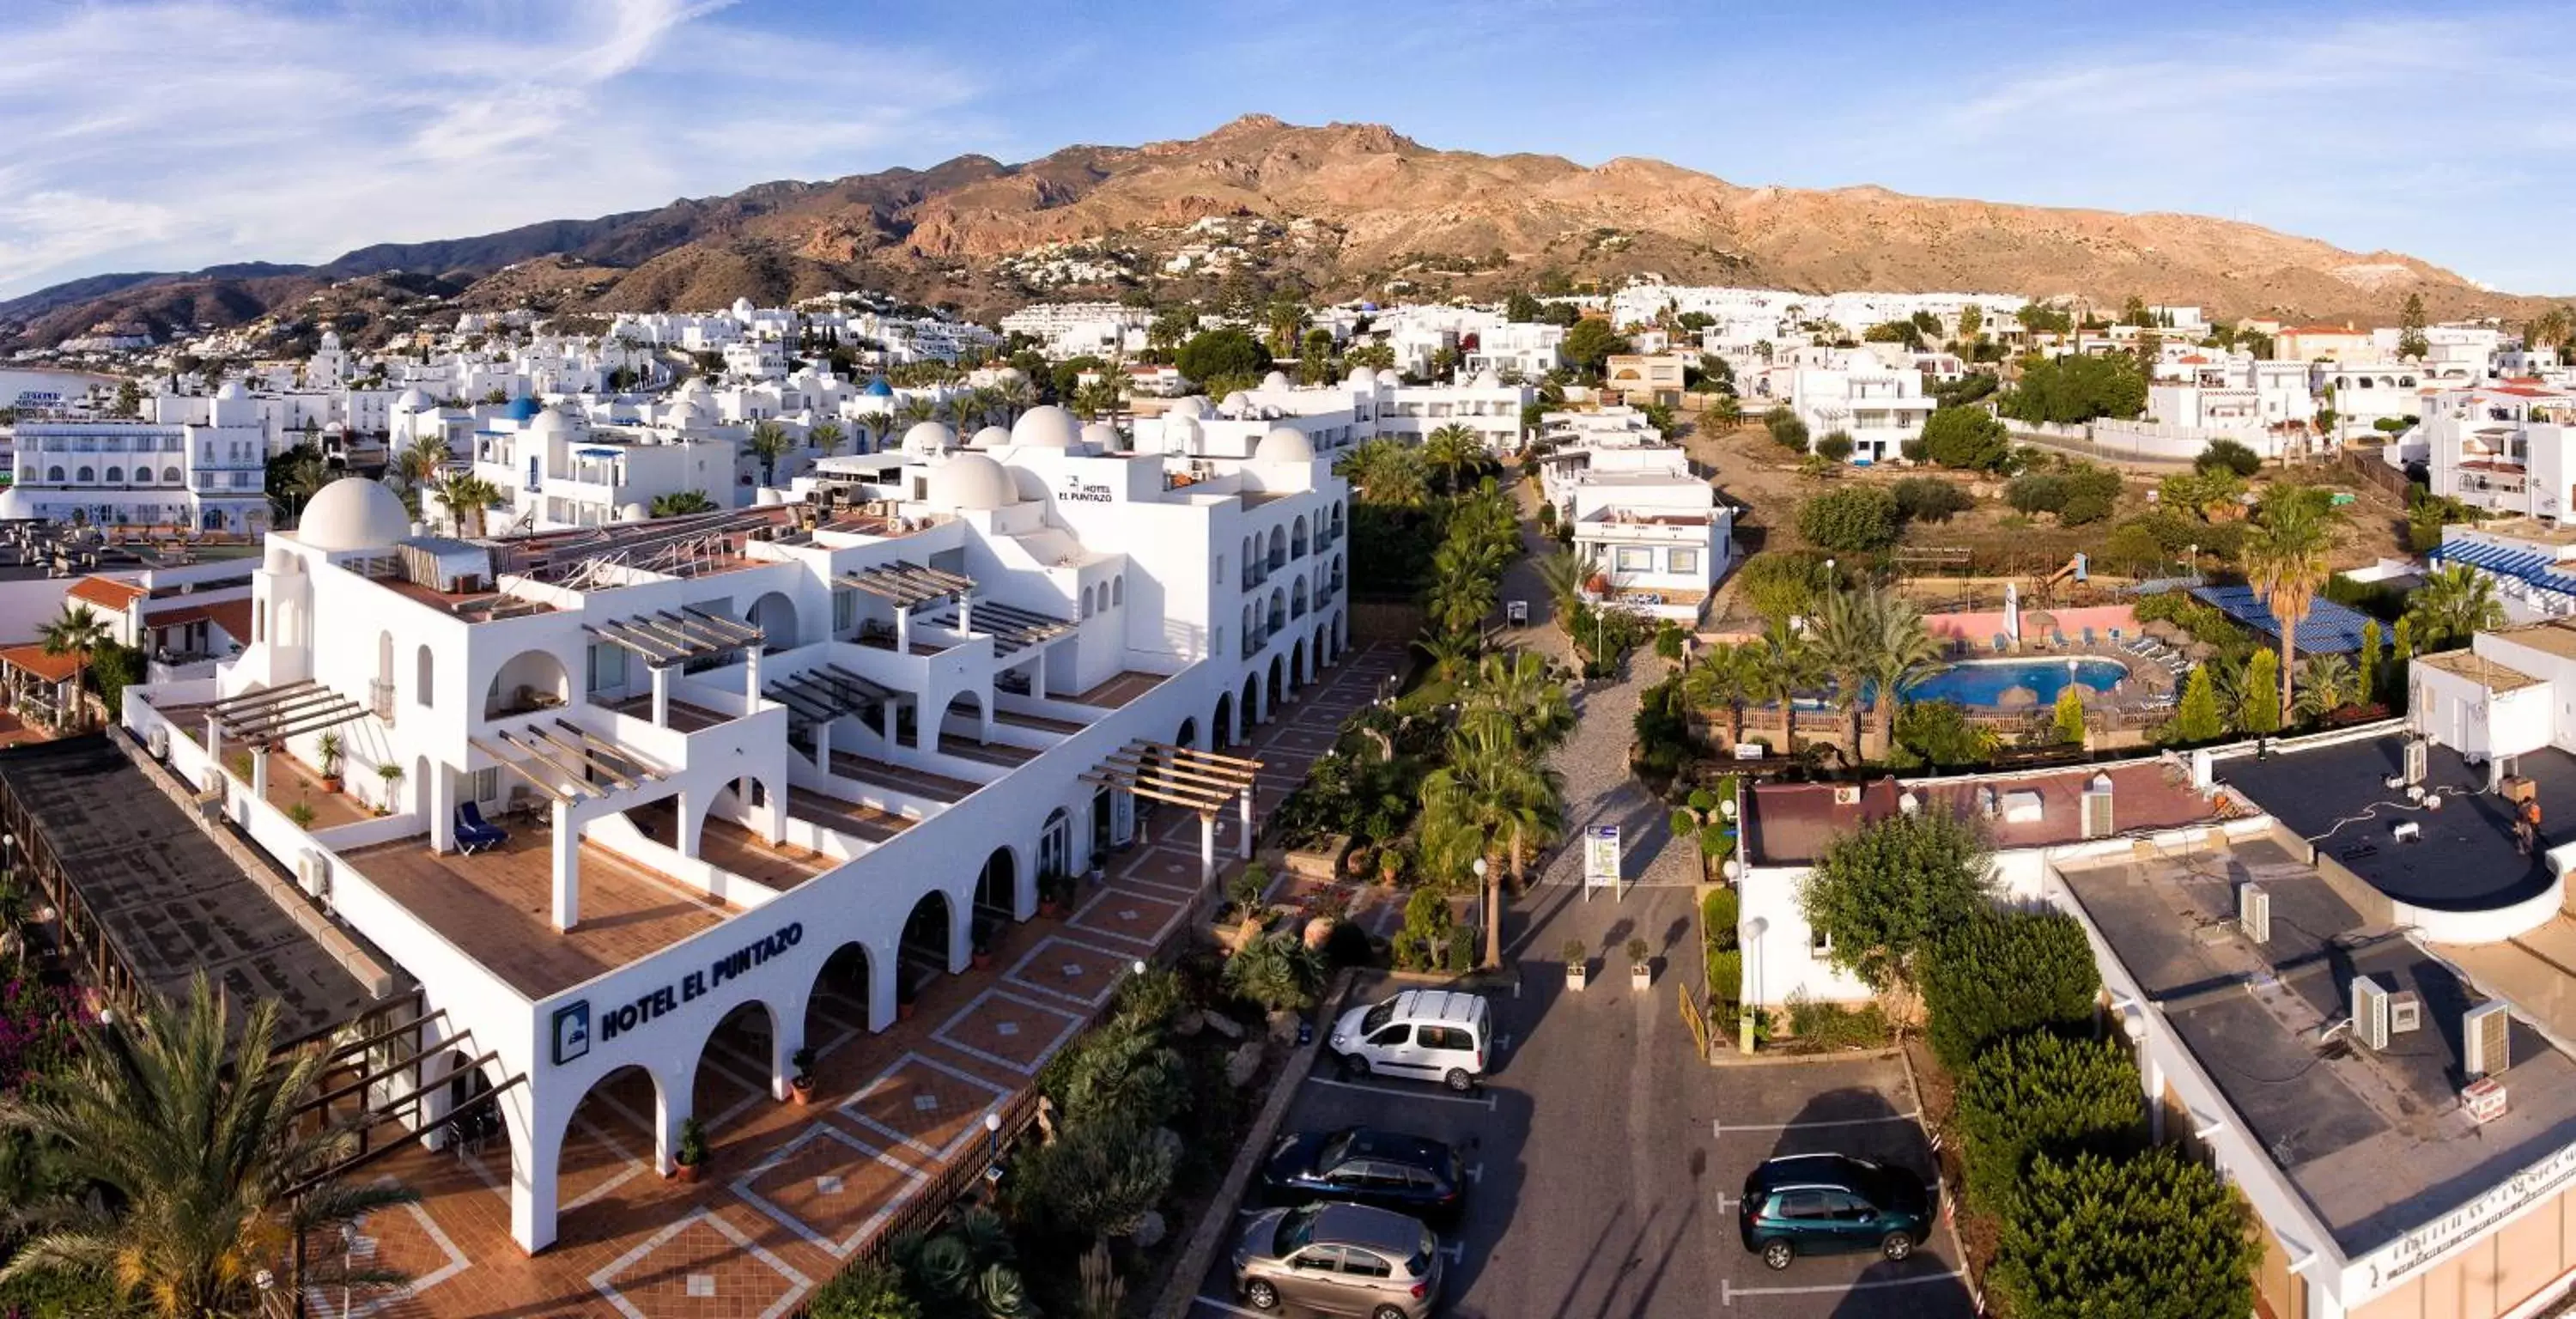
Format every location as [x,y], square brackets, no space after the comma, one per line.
[33,659]
[1792,822]
[107,593]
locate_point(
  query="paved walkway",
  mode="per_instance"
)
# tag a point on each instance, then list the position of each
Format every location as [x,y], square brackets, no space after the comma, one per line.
[790,1193]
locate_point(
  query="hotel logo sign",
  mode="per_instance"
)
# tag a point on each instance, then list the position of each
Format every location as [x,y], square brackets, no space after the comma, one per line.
[575,1025]
[1076,490]
[2501,1201]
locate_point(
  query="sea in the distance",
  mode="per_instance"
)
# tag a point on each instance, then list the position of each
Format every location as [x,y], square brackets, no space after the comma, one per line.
[15,381]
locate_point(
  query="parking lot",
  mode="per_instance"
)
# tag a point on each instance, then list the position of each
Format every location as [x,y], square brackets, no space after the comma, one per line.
[1604,1163]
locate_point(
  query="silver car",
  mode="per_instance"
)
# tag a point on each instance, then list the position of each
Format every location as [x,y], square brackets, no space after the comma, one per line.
[1338,1259]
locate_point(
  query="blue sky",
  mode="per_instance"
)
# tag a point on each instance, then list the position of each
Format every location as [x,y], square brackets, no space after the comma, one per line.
[164,135]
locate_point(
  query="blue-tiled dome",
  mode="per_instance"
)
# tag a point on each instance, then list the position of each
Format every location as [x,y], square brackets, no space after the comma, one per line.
[879,389]
[523,409]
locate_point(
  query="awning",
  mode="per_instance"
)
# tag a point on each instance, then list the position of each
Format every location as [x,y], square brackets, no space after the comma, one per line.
[567,763]
[278,713]
[663,637]
[907,585]
[827,692]
[1200,780]
[1012,628]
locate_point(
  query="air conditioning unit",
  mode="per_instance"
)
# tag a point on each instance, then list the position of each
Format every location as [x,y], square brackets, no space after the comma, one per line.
[2405,1012]
[160,743]
[2416,759]
[1847,794]
[2369,1012]
[2483,1099]
[2254,912]
[313,872]
[2485,1034]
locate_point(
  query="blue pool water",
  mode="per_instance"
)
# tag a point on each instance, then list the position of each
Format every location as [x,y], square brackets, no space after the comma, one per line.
[1983,682]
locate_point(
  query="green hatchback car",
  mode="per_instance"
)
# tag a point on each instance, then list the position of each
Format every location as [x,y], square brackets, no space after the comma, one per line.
[1814,1204]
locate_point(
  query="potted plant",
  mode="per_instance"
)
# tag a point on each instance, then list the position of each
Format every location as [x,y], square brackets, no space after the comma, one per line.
[692,1152]
[330,748]
[1576,969]
[983,943]
[1641,970]
[904,994]
[392,776]
[1055,895]
[801,1085]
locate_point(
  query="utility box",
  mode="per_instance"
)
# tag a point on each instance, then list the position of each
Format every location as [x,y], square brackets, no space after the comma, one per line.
[2516,788]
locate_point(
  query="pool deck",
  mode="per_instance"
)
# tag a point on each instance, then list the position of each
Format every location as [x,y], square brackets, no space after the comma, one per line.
[2142,682]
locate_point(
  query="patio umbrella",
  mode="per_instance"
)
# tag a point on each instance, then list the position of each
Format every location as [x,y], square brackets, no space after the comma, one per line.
[2017,698]
[2040,620]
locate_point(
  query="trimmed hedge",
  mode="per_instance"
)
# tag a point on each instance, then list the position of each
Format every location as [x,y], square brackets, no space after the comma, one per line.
[2148,1236]
[2004,972]
[2040,1093]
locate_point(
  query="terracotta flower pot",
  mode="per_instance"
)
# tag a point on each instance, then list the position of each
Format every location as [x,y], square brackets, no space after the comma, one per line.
[801,1091]
[684,1172]
[331,783]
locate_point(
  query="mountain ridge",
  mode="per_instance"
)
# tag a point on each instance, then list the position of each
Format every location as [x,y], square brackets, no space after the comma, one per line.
[1330,211]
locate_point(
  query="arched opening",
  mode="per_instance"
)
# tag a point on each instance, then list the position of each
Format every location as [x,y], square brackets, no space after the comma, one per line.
[923,953]
[424,668]
[775,615]
[1278,611]
[169,476]
[116,476]
[1055,842]
[1297,538]
[1118,590]
[1297,599]
[530,680]
[54,474]
[1278,687]
[606,1162]
[997,893]
[735,1071]
[1278,547]
[964,718]
[1323,647]
[838,1007]
[385,670]
[1251,706]
[88,475]
[1221,728]
[1297,665]
[1189,734]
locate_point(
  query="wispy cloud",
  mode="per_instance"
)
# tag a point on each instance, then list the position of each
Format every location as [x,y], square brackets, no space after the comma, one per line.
[176,133]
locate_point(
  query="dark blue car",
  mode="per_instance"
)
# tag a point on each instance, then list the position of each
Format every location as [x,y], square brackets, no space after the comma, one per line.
[1360,1165]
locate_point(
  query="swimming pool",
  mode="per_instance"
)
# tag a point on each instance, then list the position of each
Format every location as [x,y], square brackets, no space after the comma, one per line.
[1983,682]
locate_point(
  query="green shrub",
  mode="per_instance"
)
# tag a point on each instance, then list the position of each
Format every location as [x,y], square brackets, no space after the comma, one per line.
[1836,446]
[1422,943]
[1096,1179]
[1718,916]
[2038,1093]
[1462,951]
[2004,972]
[1939,733]
[1277,972]
[1725,975]
[2228,455]
[1931,499]
[1967,438]
[1786,430]
[867,1290]
[2153,1236]
[1832,1026]
[1857,519]
[1123,1069]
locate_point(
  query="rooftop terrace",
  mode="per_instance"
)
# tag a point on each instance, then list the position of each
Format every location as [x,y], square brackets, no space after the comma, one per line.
[2374,1140]
[1790,823]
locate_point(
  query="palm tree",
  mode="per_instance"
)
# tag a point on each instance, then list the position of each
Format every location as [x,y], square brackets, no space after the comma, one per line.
[467,497]
[76,631]
[1492,797]
[1452,451]
[1562,575]
[1728,410]
[2453,606]
[1723,677]
[1388,474]
[422,460]
[1905,654]
[680,503]
[207,1151]
[916,410]
[1782,665]
[1845,645]
[1450,653]
[2326,685]
[2285,561]
[1519,687]
[826,437]
[769,443]
[294,478]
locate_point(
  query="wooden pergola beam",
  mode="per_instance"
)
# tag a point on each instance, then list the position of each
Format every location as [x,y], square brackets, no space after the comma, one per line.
[553,793]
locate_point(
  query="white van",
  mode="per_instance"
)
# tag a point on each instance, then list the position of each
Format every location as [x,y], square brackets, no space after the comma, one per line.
[1432,1034]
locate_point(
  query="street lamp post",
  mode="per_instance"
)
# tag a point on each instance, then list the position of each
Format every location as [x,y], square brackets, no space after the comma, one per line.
[1487,913]
[992,1138]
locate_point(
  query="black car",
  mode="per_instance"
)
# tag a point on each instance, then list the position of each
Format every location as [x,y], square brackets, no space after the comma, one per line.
[1813,1204]
[1361,1165]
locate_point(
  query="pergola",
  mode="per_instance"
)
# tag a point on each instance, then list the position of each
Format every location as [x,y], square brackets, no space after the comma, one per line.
[907,587]
[1013,629]
[265,719]
[1203,781]
[567,763]
[665,639]
[824,693]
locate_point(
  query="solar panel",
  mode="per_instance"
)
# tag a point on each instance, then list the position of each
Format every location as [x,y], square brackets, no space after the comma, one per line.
[2329,628]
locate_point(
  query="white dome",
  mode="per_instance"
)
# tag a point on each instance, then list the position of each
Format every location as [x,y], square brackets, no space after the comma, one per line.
[232,389]
[1387,377]
[1192,406]
[696,391]
[689,415]
[1486,379]
[1238,401]
[1046,427]
[929,437]
[1275,380]
[1103,437]
[991,437]
[972,482]
[1284,444]
[633,512]
[1360,378]
[414,399]
[550,422]
[353,513]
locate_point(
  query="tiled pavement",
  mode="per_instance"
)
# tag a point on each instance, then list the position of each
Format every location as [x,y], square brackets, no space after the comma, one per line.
[791,1192]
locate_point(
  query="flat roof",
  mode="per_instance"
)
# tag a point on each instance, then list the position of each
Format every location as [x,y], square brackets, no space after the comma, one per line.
[2494,675]
[2556,637]
[163,895]
[2374,1140]
[2338,799]
[1790,823]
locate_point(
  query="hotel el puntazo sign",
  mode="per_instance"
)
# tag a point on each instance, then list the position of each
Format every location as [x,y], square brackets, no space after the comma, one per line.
[575,1025]
[2428,1243]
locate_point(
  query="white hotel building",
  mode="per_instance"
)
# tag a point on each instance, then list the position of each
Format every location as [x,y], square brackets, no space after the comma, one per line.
[209,477]
[733,750]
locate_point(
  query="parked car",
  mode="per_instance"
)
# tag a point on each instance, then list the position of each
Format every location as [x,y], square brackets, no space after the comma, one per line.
[1813,1204]
[1361,1165]
[1338,1259]
[1432,1034]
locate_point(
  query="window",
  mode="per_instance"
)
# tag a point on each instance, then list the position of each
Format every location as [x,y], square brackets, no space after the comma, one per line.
[1393,1036]
[607,668]
[1681,561]
[1819,942]
[1118,589]
[484,785]
[423,666]
[1806,1205]
[1361,1264]
[1448,1037]
[1635,559]
[1322,1259]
